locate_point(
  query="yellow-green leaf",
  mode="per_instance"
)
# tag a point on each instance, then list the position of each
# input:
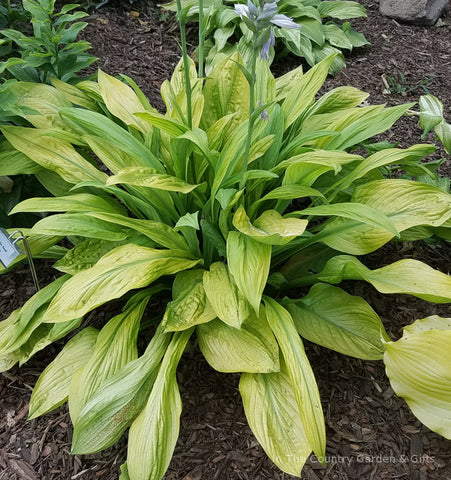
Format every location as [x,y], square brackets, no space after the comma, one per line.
[119,271]
[52,153]
[119,400]
[419,368]
[249,263]
[301,375]
[52,387]
[121,101]
[154,433]
[114,348]
[273,415]
[229,304]
[252,349]
[334,319]
[404,276]
[270,228]
[151,178]
[190,305]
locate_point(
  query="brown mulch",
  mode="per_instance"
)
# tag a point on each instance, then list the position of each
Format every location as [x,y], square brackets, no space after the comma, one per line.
[372,435]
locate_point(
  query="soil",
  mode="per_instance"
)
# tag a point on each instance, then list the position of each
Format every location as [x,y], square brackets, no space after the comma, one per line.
[372,435]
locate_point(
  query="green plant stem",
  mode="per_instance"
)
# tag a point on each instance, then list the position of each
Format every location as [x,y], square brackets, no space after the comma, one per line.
[200,48]
[250,126]
[185,64]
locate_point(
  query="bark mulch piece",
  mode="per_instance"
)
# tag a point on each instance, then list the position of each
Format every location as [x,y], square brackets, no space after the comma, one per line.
[372,435]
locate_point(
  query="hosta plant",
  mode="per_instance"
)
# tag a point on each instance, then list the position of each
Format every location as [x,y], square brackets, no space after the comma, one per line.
[244,242]
[319,34]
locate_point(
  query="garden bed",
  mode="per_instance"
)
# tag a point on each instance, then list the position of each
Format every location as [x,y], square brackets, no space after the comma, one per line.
[371,432]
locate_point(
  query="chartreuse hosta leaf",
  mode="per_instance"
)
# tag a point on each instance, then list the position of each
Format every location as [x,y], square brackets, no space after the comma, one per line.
[355,211]
[52,153]
[404,276]
[431,116]
[118,400]
[79,202]
[151,178]
[419,368]
[119,271]
[332,318]
[161,233]
[248,262]
[273,415]
[114,348]
[19,326]
[154,433]
[13,162]
[252,349]
[270,227]
[52,387]
[79,224]
[190,305]
[86,122]
[86,254]
[406,203]
[302,93]
[121,101]
[300,373]
[228,303]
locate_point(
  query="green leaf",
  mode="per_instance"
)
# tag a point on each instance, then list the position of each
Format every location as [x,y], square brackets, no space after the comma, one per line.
[443,131]
[13,162]
[17,329]
[404,276]
[114,348]
[121,101]
[79,202]
[341,9]
[355,211]
[300,373]
[190,305]
[52,387]
[336,37]
[158,232]
[154,433]
[252,349]
[119,271]
[85,255]
[95,124]
[406,203]
[226,91]
[369,122]
[270,228]
[52,153]
[228,304]
[288,192]
[119,400]
[334,159]
[273,415]
[163,122]
[302,93]
[79,224]
[334,319]
[431,113]
[188,220]
[151,178]
[249,263]
[419,368]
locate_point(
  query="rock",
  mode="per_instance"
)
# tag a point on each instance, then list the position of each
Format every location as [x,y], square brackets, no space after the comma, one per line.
[417,12]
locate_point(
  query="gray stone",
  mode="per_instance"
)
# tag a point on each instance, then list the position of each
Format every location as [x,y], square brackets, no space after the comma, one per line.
[417,12]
